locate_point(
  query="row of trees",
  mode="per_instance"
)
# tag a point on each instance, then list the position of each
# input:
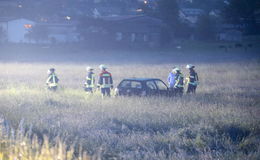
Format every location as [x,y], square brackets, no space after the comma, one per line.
[232,11]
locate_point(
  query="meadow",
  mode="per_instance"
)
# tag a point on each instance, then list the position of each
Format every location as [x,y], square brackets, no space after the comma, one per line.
[220,122]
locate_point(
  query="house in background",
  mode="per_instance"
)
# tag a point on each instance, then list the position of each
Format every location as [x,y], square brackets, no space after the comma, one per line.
[257,17]
[17,30]
[135,30]
[231,36]
[231,32]
[60,32]
[130,31]
[190,15]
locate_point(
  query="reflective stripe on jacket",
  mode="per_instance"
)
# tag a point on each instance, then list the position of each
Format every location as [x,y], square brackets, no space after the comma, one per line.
[193,78]
[52,80]
[105,80]
[90,83]
[179,81]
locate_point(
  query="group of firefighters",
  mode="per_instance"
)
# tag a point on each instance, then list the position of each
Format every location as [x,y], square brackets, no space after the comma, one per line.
[105,81]
[176,80]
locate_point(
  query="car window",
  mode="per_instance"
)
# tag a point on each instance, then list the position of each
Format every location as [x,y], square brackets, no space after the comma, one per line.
[131,84]
[136,84]
[125,84]
[151,85]
[161,85]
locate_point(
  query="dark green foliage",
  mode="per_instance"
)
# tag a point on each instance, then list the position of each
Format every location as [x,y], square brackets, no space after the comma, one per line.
[205,28]
[242,12]
[169,12]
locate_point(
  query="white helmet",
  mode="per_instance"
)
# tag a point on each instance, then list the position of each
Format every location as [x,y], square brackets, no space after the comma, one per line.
[102,66]
[189,66]
[173,68]
[176,69]
[89,68]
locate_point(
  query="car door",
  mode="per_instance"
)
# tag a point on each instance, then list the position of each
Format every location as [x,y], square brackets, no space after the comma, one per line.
[151,88]
[124,87]
[162,88]
[130,87]
[136,88]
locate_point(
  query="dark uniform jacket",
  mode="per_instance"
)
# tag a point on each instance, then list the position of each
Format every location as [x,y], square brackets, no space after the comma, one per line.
[179,80]
[52,79]
[193,78]
[90,80]
[105,80]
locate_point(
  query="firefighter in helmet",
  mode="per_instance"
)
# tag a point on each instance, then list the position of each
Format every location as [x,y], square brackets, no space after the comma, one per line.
[52,80]
[179,82]
[192,80]
[105,81]
[90,80]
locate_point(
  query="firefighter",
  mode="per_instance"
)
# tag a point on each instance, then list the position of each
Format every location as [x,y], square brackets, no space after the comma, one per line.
[179,82]
[193,79]
[90,80]
[105,81]
[52,81]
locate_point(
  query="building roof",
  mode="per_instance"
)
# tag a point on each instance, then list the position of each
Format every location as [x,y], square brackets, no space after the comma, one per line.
[192,11]
[134,24]
[129,18]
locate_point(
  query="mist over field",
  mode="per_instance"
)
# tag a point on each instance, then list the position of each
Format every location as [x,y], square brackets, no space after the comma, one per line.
[201,53]
[220,122]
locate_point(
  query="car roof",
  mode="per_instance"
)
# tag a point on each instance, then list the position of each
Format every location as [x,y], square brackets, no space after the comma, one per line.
[140,79]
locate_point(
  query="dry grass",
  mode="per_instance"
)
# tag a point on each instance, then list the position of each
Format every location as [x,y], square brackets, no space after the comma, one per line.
[220,122]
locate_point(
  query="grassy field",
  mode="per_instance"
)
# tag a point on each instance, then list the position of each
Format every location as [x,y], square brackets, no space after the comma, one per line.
[220,122]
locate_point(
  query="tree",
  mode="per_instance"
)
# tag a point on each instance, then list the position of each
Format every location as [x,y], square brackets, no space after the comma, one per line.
[168,11]
[205,29]
[242,11]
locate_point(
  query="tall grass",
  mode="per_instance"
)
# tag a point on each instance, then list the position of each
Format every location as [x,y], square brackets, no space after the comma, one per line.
[26,146]
[220,122]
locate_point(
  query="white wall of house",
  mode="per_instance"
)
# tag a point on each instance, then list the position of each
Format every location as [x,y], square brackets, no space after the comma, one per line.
[16,31]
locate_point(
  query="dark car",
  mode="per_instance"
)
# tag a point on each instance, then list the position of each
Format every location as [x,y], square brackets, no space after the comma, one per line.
[142,87]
